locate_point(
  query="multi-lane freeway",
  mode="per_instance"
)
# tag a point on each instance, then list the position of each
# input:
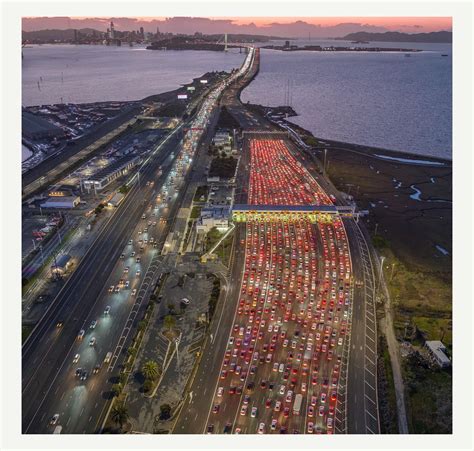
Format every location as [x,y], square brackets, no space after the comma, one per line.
[49,383]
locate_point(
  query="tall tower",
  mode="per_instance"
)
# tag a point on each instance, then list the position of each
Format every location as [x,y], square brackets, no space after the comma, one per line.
[225,42]
[112,30]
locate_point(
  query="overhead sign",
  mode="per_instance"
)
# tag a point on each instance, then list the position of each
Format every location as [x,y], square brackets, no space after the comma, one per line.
[182,96]
[203,81]
[191,88]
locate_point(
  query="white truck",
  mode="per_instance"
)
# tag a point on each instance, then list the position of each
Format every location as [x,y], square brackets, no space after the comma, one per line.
[297,404]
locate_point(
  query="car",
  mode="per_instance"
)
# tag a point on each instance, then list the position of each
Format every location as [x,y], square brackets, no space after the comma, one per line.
[243,410]
[107,310]
[96,369]
[210,429]
[282,390]
[60,324]
[254,412]
[237,431]
[323,397]
[76,358]
[78,372]
[84,375]
[273,424]
[92,341]
[321,411]
[111,288]
[277,406]
[215,409]
[310,411]
[117,289]
[286,412]
[268,403]
[127,284]
[122,256]
[329,423]
[138,260]
[220,391]
[138,272]
[54,419]
[93,324]
[134,292]
[81,334]
[185,301]
[261,428]
[223,374]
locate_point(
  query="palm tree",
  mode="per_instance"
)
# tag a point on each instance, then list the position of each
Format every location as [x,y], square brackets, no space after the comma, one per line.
[120,414]
[169,322]
[150,369]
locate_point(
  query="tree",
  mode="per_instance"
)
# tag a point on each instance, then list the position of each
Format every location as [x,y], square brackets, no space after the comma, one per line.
[169,322]
[120,414]
[165,412]
[150,369]
[116,389]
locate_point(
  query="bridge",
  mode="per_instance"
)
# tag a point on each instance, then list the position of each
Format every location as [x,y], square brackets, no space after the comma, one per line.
[290,213]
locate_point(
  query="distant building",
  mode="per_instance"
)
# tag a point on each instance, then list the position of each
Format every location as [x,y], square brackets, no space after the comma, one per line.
[437,353]
[222,138]
[61,202]
[211,217]
[35,127]
[116,199]
[61,265]
[117,169]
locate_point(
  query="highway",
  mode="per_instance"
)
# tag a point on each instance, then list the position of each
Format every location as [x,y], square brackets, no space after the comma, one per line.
[47,355]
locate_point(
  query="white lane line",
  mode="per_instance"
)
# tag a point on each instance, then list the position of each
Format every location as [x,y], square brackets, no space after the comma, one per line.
[370,415]
[370,385]
[82,411]
[370,399]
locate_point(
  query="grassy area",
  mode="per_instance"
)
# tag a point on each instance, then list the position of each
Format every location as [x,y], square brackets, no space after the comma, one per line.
[195,212]
[25,332]
[429,398]
[386,387]
[202,190]
[223,167]
[212,237]
[223,251]
[422,300]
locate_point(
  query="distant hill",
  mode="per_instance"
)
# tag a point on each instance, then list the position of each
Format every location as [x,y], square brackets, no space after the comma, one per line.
[395,36]
[58,35]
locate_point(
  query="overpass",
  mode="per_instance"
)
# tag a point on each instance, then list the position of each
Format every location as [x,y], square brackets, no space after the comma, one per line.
[289,213]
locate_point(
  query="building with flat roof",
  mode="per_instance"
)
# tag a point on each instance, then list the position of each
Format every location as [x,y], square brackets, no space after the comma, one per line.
[61,265]
[61,202]
[108,174]
[35,127]
[437,353]
[211,217]
[116,199]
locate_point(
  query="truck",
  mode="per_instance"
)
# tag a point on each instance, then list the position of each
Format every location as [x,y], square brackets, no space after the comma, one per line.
[297,404]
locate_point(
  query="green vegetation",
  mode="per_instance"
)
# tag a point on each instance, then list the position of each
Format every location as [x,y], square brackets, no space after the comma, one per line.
[310,141]
[165,412]
[25,332]
[99,209]
[216,289]
[150,370]
[429,398]
[195,212]
[380,242]
[169,322]
[119,414]
[386,387]
[202,190]
[124,189]
[212,237]
[224,250]
[223,167]
[117,389]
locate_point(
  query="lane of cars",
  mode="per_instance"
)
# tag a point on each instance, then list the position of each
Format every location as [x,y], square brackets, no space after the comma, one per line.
[91,355]
[280,371]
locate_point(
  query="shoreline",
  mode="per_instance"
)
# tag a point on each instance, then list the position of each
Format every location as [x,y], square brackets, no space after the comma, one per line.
[366,150]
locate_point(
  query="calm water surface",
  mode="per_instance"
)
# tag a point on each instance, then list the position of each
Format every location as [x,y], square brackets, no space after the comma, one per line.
[385,100]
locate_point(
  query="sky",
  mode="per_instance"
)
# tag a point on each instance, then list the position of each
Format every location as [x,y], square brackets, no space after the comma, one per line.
[274,26]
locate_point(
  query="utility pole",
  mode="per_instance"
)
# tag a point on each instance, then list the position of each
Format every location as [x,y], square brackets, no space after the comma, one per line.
[325,156]
[376,228]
